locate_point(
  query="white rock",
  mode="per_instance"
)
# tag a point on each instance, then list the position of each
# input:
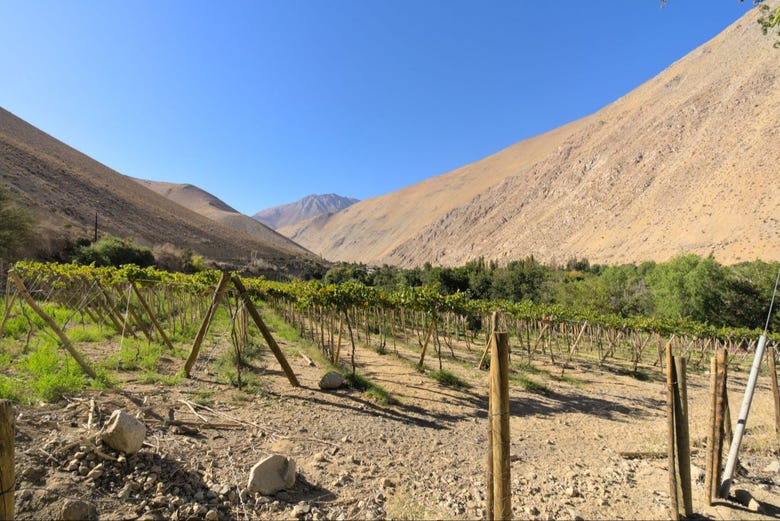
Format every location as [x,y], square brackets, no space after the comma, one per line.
[272,474]
[123,432]
[331,380]
[773,467]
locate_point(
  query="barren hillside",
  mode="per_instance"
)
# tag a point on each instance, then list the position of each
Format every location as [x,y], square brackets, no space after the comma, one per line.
[686,162]
[205,204]
[66,189]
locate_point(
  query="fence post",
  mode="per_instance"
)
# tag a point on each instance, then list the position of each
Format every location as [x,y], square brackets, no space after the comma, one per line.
[499,419]
[775,390]
[7,471]
[678,438]
[682,434]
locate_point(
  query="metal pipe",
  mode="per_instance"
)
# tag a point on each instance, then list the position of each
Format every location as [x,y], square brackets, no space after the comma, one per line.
[728,472]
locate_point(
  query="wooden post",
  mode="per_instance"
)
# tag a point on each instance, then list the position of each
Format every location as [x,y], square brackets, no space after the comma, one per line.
[674,512]
[149,312]
[250,307]
[9,304]
[683,436]
[54,327]
[573,347]
[775,390]
[427,339]
[219,292]
[711,471]
[337,352]
[7,471]
[499,417]
[722,418]
[489,502]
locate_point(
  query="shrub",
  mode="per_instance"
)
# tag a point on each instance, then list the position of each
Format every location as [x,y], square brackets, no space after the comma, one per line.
[113,251]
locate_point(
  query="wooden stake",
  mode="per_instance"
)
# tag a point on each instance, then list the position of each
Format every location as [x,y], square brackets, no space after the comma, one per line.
[489,501]
[573,348]
[338,343]
[721,410]
[711,472]
[499,415]
[775,390]
[7,471]
[54,327]
[250,306]
[674,513]
[150,313]
[427,339]
[8,306]
[683,437]
[219,293]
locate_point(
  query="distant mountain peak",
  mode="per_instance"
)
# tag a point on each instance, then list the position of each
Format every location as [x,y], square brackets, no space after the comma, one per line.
[308,207]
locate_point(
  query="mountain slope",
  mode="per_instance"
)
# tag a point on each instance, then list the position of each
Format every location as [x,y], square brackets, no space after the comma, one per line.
[66,189]
[205,204]
[309,207]
[686,162]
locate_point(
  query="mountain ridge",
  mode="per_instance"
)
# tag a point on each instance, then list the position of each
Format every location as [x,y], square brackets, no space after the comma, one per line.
[308,207]
[674,165]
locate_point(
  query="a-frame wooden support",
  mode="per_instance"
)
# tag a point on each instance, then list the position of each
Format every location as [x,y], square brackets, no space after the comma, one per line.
[219,294]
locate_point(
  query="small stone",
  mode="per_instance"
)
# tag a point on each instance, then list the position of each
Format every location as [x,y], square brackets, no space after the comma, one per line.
[773,468]
[212,515]
[572,492]
[96,472]
[78,510]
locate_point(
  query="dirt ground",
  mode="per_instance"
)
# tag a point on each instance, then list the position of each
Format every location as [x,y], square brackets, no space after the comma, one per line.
[422,458]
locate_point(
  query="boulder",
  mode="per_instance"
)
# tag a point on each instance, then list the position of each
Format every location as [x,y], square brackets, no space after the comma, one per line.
[331,380]
[272,474]
[123,432]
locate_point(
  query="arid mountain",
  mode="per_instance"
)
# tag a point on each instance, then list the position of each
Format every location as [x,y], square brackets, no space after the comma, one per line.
[686,162]
[309,207]
[66,189]
[204,203]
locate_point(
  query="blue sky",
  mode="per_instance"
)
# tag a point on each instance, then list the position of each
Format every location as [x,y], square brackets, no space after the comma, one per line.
[263,102]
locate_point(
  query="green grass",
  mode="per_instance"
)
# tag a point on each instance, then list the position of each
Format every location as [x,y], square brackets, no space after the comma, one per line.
[52,374]
[152,377]
[571,380]
[89,333]
[529,384]
[370,389]
[449,379]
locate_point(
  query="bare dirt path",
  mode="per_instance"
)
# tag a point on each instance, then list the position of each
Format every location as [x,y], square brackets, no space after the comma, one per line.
[420,458]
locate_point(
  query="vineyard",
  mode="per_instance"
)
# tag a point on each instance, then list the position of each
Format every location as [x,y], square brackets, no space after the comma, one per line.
[67,329]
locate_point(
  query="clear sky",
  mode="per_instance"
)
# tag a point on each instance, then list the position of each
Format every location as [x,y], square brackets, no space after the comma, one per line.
[262,102]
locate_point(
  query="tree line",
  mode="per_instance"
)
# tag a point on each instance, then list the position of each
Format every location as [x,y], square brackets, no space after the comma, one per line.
[688,286]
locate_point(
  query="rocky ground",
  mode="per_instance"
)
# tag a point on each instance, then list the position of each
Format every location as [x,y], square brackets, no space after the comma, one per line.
[422,458]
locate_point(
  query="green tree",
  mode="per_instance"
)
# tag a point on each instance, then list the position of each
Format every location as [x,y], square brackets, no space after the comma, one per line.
[688,286]
[16,226]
